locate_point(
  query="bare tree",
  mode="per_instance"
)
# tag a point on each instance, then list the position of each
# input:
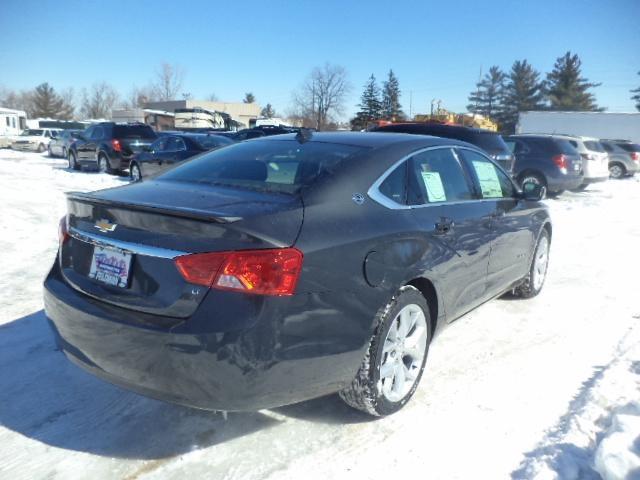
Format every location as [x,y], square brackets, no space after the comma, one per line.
[99,101]
[321,97]
[212,97]
[169,80]
[139,97]
[17,100]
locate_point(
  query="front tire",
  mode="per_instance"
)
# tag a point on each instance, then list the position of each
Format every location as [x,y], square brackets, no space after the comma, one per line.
[41,148]
[534,281]
[103,164]
[73,161]
[395,359]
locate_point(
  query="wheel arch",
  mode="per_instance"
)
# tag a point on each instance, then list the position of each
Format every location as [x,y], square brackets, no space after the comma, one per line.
[428,291]
[532,171]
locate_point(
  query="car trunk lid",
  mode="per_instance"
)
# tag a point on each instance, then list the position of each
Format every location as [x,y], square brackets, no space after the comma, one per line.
[131,235]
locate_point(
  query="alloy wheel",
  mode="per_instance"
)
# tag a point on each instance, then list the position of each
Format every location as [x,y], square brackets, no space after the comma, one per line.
[615,171]
[136,176]
[540,263]
[403,352]
[102,165]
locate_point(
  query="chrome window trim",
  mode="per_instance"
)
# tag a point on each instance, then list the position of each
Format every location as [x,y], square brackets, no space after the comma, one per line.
[378,197]
[129,247]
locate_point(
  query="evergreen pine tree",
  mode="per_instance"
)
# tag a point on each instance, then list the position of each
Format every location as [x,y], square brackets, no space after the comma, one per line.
[249,98]
[268,111]
[523,92]
[636,96]
[391,108]
[46,103]
[370,105]
[565,87]
[487,98]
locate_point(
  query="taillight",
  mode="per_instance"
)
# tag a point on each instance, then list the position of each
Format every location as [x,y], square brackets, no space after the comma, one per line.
[560,161]
[116,145]
[265,272]
[635,156]
[63,230]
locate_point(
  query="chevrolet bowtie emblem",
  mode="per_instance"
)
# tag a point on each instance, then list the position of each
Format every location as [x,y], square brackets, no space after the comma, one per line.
[105,226]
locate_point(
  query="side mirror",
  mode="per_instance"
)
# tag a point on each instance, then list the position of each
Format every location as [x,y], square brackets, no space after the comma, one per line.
[533,191]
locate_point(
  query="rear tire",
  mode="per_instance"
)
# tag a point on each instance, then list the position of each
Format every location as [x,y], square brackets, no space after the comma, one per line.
[134,173]
[534,281]
[103,164]
[393,364]
[535,178]
[617,170]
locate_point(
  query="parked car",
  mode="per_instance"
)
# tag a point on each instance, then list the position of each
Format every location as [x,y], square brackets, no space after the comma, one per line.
[595,161]
[206,288]
[110,146]
[489,141]
[624,157]
[170,150]
[546,160]
[34,139]
[59,145]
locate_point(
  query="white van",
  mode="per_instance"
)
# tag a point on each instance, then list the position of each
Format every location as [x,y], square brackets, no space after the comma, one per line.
[12,123]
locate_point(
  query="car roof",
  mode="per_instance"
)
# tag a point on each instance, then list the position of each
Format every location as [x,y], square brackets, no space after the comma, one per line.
[439,126]
[368,139]
[558,135]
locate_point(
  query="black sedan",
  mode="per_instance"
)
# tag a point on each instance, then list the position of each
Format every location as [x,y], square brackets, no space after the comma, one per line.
[290,267]
[170,150]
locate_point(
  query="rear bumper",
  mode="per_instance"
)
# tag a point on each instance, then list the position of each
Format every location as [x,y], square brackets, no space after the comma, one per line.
[564,182]
[590,180]
[273,359]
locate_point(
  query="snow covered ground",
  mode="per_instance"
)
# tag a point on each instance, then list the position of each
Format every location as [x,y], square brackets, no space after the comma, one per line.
[545,388]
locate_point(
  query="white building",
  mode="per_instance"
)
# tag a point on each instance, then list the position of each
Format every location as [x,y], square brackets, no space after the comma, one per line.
[12,123]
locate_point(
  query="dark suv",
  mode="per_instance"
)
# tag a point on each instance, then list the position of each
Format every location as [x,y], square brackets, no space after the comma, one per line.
[546,160]
[487,140]
[110,146]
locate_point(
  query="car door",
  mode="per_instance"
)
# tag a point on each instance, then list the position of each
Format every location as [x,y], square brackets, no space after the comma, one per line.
[150,161]
[510,222]
[177,150]
[461,224]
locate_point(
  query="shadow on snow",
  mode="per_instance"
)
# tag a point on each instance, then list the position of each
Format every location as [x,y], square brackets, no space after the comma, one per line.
[45,397]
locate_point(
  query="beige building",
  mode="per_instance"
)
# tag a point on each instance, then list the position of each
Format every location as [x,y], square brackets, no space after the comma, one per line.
[239,111]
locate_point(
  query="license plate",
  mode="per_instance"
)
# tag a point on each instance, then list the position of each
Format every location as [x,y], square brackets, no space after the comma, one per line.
[110,266]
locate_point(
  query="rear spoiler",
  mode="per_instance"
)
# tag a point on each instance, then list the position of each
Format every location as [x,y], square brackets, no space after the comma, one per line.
[190,213]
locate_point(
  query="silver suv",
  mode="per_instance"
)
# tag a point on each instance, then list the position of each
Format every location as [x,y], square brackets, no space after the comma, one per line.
[595,160]
[624,157]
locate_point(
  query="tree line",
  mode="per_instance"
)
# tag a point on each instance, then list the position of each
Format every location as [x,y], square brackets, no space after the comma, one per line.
[502,96]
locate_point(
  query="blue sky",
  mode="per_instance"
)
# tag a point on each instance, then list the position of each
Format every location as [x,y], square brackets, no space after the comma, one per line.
[436,48]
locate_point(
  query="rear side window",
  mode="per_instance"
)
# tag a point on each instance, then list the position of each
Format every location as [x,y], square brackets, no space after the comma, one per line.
[490,142]
[395,185]
[593,146]
[630,147]
[492,181]
[565,147]
[282,166]
[438,176]
[133,131]
[213,141]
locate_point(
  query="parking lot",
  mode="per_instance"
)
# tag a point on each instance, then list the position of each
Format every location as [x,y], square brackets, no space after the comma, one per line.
[516,389]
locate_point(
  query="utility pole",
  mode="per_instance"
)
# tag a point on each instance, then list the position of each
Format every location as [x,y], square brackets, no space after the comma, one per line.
[410,104]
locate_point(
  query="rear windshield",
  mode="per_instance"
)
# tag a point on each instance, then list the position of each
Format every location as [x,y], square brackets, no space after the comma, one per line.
[490,142]
[133,131]
[282,166]
[594,146]
[565,147]
[208,142]
[630,147]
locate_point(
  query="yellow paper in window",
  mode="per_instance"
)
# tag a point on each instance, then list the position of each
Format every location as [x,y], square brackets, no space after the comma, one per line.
[433,184]
[488,178]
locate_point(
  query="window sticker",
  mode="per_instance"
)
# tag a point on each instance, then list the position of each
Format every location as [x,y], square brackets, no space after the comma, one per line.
[433,184]
[488,178]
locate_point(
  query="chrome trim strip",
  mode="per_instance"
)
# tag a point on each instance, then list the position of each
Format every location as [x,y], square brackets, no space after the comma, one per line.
[134,248]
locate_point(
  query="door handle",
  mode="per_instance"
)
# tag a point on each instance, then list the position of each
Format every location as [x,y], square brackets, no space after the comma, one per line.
[444,226]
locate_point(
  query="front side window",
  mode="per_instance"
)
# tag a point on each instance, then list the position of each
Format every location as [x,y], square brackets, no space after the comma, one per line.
[436,176]
[159,145]
[8,122]
[492,182]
